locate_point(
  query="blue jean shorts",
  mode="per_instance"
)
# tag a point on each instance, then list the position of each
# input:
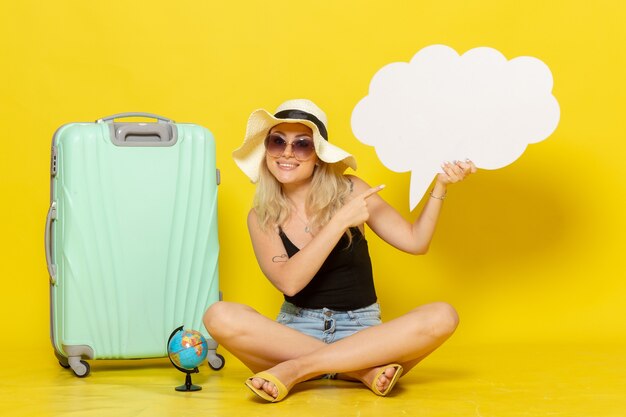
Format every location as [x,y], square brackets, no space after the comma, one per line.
[328,325]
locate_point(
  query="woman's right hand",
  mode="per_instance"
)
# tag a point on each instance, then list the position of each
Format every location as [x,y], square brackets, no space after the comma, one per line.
[355,212]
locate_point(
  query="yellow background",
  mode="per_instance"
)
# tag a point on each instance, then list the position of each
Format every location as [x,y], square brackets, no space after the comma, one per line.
[533,252]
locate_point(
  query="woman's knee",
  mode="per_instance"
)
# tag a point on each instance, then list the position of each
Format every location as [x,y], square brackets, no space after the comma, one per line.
[222,316]
[439,319]
[446,318]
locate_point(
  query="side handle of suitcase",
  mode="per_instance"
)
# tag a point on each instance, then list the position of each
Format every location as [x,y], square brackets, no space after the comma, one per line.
[80,367]
[50,218]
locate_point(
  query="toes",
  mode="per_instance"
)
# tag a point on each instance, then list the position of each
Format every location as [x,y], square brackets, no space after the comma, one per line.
[258,383]
[266,386]
[390,372]
[270,388]
[382,382]
[385,378]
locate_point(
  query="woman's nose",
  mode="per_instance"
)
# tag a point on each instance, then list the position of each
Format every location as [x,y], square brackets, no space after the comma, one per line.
[288,152]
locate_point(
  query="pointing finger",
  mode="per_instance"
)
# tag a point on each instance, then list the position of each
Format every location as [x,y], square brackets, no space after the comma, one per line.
[372,191]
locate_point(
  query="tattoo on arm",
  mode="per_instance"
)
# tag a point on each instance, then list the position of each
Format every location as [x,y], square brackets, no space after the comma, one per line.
[280,258]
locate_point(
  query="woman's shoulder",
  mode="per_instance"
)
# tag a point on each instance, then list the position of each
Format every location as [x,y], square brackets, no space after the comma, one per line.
[253,219]
[358,185]
[255,226]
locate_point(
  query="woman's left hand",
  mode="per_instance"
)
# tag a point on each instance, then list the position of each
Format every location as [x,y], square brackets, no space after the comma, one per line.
[455,171]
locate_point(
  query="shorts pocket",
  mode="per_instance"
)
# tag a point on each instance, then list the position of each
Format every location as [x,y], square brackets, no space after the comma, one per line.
[368,321]
[284,318]
[369,316]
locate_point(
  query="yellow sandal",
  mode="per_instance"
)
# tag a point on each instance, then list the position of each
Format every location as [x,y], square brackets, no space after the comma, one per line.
[393,381]
[282,390]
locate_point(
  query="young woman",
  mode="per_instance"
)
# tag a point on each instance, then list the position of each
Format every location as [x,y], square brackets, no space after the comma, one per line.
[307,231]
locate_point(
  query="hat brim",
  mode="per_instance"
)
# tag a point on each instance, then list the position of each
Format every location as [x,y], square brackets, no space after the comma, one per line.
[249,155]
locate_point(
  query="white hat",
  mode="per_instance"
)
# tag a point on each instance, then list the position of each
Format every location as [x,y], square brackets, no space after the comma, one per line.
[250,154]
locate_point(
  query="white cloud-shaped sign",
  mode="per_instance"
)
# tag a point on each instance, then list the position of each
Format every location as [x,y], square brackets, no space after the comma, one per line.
[445,107]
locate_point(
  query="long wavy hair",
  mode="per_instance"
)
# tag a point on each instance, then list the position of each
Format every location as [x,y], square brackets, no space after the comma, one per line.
[329,192]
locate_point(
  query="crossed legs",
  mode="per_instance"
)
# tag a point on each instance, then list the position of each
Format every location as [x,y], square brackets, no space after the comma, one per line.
[292,357]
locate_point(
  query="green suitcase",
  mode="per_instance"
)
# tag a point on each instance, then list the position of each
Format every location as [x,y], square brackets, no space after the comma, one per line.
[131,238]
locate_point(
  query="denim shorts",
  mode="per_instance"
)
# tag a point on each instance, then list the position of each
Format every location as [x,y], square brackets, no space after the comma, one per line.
[328,325]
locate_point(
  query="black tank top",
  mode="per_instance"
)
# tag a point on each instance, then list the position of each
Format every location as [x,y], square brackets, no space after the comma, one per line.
[344,282]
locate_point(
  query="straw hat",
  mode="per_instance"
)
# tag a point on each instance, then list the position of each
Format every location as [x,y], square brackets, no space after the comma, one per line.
[250,154]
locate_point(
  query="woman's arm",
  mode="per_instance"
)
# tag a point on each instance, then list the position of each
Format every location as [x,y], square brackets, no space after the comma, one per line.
[415,237]
[290,275]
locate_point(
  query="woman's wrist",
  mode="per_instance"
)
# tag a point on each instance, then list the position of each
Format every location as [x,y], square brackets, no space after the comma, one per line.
[337,223]
[439,191]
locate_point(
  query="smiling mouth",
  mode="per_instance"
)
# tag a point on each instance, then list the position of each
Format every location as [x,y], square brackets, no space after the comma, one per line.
[286,165]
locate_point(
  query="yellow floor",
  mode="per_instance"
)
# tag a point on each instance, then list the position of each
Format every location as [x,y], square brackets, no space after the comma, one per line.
[497,381]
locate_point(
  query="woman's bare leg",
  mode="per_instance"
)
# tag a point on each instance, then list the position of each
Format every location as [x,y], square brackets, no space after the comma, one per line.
[293,357]
[261,343]
[405,340]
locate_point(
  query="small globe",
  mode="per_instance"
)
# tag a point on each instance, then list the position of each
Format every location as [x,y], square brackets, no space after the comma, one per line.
[187,349]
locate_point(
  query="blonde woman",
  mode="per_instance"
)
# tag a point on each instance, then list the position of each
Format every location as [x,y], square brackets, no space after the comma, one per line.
[307,231]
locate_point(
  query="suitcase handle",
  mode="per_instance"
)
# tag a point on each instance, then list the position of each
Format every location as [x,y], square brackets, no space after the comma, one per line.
[135,114]
[52,269]
[143,134]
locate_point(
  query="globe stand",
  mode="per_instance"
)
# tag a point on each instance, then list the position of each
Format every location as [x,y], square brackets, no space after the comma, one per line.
[188,386]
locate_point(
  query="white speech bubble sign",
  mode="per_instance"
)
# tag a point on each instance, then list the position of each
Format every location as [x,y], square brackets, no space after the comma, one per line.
[442,106]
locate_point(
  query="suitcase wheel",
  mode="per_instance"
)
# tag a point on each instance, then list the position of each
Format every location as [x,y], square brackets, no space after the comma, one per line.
[216,362]
[62,359]
[80,367]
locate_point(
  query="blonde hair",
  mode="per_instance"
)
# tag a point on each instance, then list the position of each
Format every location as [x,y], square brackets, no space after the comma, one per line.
[329,192]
